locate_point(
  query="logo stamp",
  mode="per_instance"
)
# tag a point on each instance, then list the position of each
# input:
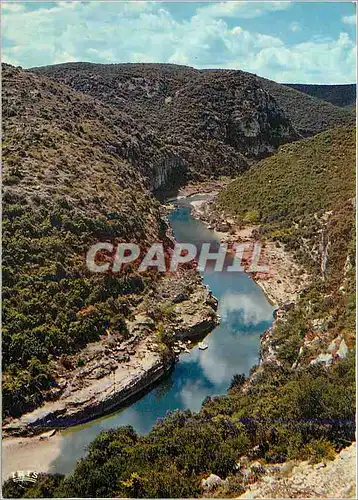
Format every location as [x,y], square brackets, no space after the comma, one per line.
[23,477]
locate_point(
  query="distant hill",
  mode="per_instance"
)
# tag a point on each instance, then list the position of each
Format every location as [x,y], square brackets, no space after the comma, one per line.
[214,118]
[339,95]
[308,115]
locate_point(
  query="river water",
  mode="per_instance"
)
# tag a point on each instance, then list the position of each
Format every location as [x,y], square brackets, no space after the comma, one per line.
[233,348]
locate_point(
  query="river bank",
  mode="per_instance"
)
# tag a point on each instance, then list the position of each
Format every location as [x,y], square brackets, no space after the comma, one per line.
[189,308]
[193,314]
[86,398]
[282,281]
[29,453]
[284,278]
[115,370]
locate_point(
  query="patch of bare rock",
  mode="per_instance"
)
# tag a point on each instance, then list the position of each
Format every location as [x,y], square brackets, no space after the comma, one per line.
[332,479]
[284,278]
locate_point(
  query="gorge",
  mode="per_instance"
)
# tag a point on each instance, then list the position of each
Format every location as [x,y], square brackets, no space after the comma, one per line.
[89,151]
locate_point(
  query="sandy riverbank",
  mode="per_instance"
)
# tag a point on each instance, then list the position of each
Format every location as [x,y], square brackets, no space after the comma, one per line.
[29,454]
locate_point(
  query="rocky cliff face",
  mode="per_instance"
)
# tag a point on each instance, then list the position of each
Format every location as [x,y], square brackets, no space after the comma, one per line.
[212,121]
[169,173]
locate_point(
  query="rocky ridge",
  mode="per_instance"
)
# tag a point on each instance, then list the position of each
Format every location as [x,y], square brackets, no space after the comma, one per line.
[227,115]
[334,478]
[213,120]
[339,95]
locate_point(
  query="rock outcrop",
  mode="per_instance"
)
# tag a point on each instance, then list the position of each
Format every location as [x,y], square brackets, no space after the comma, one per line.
[213,121]
[330,479]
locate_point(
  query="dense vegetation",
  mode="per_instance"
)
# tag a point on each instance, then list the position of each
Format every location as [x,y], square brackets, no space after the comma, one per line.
[339,95]
[65,186]
[307,177]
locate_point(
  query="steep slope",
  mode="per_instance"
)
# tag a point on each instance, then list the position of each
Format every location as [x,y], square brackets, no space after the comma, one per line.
[309,176]
[208,114]
[303,197]
[213,119]
[75,173]
[299,403]
[309,115]
[339,95]
[65,187]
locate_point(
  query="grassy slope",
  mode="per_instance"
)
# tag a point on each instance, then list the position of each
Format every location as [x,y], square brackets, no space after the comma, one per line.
[313,175]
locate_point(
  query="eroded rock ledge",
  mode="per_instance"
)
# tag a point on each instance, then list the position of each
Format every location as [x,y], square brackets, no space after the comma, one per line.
[110,372]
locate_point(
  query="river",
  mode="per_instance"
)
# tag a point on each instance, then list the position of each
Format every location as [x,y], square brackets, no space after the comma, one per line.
[233,347]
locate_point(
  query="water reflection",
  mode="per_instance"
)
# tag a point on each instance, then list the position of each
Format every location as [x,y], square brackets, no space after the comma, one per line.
[233,348]
[248,309]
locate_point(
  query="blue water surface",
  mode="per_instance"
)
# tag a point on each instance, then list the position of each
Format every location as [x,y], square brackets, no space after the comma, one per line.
[233,348]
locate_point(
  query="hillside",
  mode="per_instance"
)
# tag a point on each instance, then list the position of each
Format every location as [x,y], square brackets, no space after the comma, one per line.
[339,95]
[299,403]
[303,197]
[75,172]
[208,114]
[214,120]
[306,177]
[66,185]
[308,115]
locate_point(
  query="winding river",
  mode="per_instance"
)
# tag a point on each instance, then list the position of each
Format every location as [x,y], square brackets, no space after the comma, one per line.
[233,347]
